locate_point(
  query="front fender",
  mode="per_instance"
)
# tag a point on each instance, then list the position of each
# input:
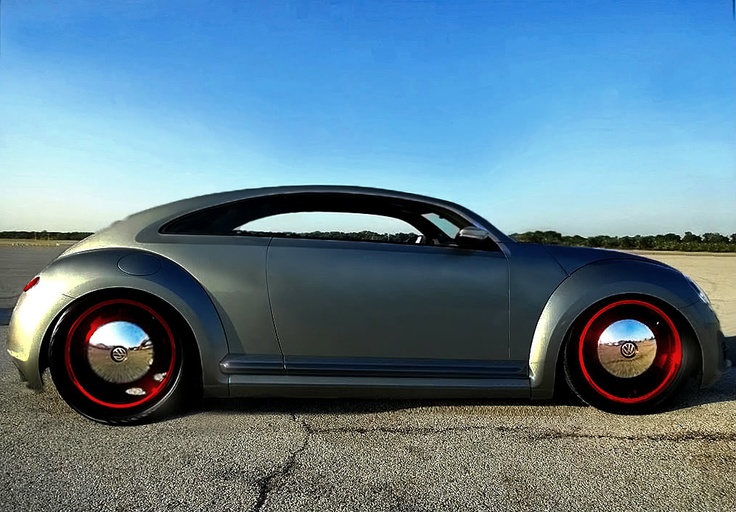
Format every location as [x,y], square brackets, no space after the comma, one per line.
[80,274]
[588,285]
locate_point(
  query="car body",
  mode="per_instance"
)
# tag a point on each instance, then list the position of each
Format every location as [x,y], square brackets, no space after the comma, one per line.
[181,296]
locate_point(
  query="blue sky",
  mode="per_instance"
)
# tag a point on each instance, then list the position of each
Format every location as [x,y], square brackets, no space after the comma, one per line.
[626,330]
[586,117]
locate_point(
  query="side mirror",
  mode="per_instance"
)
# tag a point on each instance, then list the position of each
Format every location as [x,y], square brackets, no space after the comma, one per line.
[474,234]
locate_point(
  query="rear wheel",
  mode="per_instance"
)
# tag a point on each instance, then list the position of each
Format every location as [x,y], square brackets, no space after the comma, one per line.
[118,360]
[628,356]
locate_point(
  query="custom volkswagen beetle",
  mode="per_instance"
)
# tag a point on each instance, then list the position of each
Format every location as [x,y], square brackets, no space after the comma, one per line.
[238,294]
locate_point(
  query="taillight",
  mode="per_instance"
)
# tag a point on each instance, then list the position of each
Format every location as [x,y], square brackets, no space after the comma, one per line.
[33,282]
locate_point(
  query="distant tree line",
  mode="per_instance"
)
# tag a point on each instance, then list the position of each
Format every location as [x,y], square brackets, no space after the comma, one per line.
[709,242]
[358,236]
[44,235]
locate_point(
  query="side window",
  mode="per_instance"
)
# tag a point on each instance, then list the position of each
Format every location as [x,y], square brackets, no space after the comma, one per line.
[326,216]
[360,227]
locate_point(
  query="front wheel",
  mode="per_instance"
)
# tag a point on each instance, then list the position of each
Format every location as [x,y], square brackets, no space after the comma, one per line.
[117,360]
[628,356]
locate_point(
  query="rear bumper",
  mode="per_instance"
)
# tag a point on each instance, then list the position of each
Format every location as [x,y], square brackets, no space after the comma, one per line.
[30,323]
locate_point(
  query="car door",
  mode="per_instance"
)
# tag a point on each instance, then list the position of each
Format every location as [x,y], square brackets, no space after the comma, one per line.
[400,308]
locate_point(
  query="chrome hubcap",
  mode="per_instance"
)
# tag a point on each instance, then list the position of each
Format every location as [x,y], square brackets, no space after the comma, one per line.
[120,352]
[627,348]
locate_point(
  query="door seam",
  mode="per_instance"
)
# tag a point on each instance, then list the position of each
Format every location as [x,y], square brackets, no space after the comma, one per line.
[270,306]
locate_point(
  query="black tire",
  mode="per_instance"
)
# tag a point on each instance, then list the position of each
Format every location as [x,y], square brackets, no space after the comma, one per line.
[628,356]
[119,360]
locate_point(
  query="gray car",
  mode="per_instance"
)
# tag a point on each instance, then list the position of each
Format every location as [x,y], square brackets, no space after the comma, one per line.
[237,294]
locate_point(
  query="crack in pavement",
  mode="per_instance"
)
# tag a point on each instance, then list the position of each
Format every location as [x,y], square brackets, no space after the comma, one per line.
[398,430]
[271,482]
[276,478]
[672,438]
[529,433]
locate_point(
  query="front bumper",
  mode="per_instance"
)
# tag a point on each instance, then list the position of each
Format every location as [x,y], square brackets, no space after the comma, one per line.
[30,324]
[707,328]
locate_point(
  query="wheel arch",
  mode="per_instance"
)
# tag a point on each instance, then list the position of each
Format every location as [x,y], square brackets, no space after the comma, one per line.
[96,274]
[163,307]
[589,288]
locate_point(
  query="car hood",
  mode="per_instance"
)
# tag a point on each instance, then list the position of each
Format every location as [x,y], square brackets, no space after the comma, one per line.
[573,258]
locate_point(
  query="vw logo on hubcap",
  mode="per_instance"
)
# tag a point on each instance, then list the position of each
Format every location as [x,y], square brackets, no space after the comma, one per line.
[119,354]
[629,349]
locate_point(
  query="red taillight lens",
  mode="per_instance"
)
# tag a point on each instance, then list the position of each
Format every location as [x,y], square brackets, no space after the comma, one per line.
[33,282]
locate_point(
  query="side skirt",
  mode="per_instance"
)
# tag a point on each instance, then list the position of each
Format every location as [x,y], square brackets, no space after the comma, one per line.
[261,376]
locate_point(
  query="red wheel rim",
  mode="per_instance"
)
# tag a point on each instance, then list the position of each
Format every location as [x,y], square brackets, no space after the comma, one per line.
[651,381]
[149,380]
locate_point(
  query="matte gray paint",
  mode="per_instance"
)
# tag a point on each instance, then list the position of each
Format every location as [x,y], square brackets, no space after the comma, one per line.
[707,330]
[139,264]
[358,299]
[534,275]
[573,258]
[32,320]
[233,271]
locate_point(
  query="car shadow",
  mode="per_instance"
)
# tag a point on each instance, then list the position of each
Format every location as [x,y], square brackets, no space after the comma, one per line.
[338,406]
[723,391]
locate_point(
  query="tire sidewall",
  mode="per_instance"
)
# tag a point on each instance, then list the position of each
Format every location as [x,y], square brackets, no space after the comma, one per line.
[167,400]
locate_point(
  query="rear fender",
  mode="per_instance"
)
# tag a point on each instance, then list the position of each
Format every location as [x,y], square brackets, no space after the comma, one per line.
[81,274]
